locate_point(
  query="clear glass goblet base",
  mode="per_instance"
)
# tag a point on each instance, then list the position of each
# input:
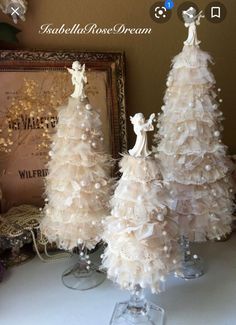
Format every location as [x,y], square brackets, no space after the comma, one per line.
[192,265]
[137,311]
[83,276]
[191,268]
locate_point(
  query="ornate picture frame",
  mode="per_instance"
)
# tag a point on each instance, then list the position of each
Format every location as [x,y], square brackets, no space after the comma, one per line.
[106,91]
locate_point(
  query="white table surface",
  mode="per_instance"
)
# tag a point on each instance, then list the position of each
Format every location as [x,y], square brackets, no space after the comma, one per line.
[33,294]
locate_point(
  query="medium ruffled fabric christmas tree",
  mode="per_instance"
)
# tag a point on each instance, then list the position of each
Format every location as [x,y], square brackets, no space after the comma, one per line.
[142,239]
[190,148]
[77,187]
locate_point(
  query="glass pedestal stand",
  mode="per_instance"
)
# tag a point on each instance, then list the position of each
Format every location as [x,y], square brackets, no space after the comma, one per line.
[137,311]
[192,265]
[84,275]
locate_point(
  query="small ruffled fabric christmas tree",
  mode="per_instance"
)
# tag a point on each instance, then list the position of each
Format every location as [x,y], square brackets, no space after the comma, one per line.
[141,239]
[78,184]
[193,158]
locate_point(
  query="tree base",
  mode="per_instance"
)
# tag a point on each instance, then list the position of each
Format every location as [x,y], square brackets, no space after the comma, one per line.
[191,268]
[82,277]
[149,314]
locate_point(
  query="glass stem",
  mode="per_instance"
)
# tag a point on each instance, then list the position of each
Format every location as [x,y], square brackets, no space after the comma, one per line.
[137,303]
[184,242]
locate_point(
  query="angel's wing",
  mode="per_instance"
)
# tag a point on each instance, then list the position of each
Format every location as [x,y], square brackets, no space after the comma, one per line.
[70,71]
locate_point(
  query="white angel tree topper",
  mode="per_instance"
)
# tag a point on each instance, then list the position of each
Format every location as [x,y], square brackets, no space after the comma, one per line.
[77,186]
[192,154]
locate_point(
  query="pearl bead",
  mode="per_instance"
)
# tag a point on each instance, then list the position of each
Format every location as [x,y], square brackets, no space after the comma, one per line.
[174,262]
[93,223]
[220,141]
[163,108]
[221,100]
[87,129]
[164,233]
[231,190]
[217,133]
[81,254]
[195,256]
[179,129]
[83,183]
[165,248]
[139,198]
[208,167]
[89,262]
[219,89]
[83,125]
[97,186]
[88,107]
[190,104]
[101,139]
[46,200]
[159,114]
[94,145]
[160,217]
[83,137]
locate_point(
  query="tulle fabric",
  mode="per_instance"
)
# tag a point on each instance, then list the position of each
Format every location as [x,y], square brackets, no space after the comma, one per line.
[78,184]
[142,238]
[193,158]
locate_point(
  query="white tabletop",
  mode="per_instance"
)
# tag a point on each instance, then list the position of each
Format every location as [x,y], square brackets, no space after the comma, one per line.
[33,294]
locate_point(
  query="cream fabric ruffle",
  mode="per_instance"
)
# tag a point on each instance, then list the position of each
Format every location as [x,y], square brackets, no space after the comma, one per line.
[193,159]
[78,184]
[142,238]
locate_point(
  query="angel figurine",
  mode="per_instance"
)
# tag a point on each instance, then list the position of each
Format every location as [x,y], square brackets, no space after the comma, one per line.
[141,127]
[79,79]
[192,19]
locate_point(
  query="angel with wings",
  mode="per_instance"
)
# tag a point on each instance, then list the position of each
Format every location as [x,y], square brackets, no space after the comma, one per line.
[141,127]
[191,20]
[79,80]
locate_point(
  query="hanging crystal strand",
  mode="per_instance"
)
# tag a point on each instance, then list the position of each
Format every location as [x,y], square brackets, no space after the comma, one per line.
[85,274]
[192,264]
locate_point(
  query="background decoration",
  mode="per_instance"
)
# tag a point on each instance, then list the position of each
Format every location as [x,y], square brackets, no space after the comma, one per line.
[193,157]
[33,85]
[141,237]
[8,33]
[16,9]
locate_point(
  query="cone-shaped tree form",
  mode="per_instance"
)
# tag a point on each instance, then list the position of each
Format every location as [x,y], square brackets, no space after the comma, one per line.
[192,155]
[77,187]
[142,240]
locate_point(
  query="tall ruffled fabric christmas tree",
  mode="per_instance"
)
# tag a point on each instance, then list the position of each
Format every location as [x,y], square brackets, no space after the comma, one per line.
[142,239]
[77,187]
[190,148]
